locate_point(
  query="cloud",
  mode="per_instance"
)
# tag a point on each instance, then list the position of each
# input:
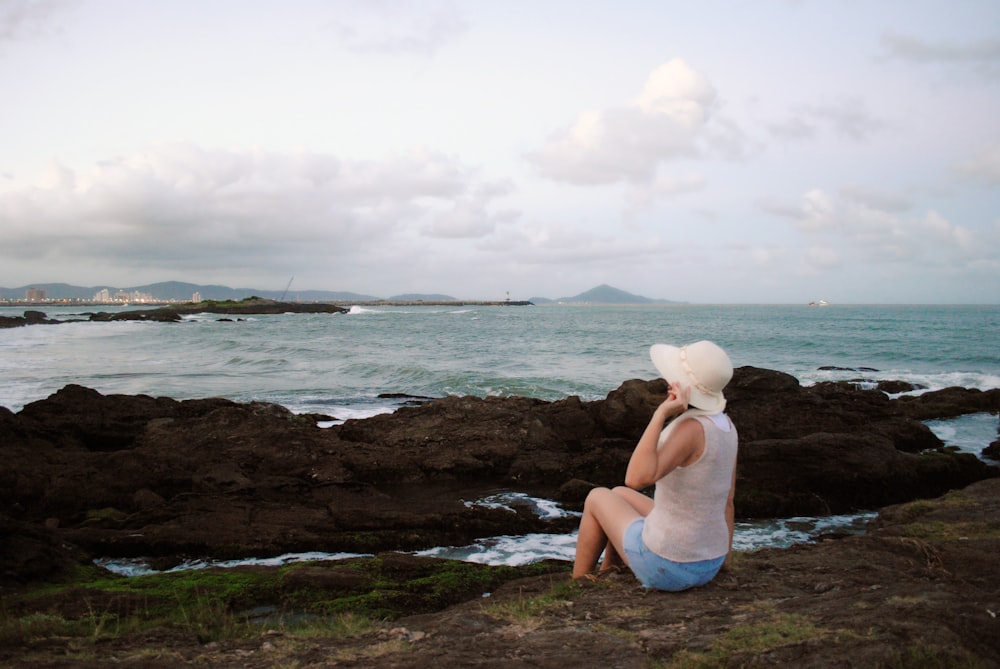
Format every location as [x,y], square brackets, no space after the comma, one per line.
[469,217]
[765,257]
[22,19]
[847,118]
[397,26]
[875,199]
[643,197]
[670,119]
[556,243]
[880,234]
[983,56]
[180,207]
[984,167]
[822,257]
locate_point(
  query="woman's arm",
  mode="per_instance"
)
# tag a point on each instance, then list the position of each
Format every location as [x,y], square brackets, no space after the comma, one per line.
[648,464]
[731,518]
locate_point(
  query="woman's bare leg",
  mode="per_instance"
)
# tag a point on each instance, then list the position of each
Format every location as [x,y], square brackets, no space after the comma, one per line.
[605,517]
[643,505]
[640,502]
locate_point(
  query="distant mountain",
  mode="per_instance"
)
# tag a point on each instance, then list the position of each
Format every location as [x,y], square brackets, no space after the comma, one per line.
[604,294]
[179,290]
[59,291]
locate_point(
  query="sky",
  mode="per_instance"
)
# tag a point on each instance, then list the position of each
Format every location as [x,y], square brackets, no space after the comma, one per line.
[720,151]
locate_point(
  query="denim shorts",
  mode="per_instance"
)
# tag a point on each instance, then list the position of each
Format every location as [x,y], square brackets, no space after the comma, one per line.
[655,571]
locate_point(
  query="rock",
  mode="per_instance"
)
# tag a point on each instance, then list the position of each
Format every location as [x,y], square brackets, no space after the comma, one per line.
[992,451]
[825,473]
[897,387]
[34,551]
[250,305]
[29,318]
[143,476]
[919,589]
[949,403]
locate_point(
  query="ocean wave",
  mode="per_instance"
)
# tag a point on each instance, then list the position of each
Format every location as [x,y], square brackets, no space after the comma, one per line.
[141,566]
[925,381]
[546,509]
[970,433]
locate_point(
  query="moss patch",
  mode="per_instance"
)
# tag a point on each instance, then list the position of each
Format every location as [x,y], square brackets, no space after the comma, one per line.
[746,641]
[220,603]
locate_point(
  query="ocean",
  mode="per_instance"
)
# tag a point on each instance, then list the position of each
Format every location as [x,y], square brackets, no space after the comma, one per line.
[340,364]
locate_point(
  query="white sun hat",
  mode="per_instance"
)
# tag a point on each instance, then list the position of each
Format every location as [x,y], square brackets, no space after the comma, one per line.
[702,366]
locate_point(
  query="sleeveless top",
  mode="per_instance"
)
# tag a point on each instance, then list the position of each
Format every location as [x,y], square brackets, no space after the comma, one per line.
[688,520]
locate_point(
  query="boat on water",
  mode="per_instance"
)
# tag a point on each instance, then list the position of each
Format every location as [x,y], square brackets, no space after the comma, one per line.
[821,303]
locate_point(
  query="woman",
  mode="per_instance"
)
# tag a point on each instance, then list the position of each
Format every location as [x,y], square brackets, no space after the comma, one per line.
[681,537]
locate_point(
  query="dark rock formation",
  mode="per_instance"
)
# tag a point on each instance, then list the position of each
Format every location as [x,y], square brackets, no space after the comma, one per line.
[29,318]
[251,305]
[137,475]
[174,312]
[950,402]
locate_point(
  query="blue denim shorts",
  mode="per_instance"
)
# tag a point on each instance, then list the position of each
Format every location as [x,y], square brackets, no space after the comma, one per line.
[655,571]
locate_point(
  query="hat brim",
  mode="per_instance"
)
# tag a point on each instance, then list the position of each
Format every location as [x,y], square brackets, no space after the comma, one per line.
[667,360]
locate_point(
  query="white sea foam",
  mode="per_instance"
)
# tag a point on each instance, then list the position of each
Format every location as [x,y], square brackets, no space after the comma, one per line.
[970,433]
[525,549]
[513,551]
[546,509]
[140,566]
[785,532]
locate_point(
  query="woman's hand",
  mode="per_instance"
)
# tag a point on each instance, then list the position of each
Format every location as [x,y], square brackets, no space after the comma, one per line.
[648,463]
[677,400]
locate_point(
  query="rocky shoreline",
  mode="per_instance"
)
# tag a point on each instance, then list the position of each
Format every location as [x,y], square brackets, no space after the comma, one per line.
[173,313]
[89,475]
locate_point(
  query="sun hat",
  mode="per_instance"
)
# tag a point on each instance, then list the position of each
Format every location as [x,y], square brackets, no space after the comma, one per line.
[702,366]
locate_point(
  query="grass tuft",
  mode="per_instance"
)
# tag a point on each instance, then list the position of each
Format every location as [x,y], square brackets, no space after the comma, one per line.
[749,640]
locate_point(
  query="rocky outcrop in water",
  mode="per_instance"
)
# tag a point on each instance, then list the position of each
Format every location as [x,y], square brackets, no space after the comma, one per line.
[29,318]
[175,312]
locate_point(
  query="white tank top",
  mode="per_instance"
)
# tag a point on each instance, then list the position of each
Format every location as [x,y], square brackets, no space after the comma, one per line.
[688,520]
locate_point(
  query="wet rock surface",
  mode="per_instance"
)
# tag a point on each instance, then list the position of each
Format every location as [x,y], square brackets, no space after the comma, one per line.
[127,476]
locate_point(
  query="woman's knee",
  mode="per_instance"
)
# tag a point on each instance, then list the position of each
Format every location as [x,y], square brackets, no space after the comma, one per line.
[594,497]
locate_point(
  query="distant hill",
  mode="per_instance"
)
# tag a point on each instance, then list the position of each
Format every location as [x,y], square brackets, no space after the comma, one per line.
[179,290]
[603,294]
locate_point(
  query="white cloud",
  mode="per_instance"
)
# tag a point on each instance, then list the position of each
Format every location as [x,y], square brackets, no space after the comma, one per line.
[847,118]
[983,167]
[765,257]
[982,55]
[643,197]
[22,19]
[669,120]
[875,198]
[468,216]
[879,234]
[397,26]
[822,257]
[180,206]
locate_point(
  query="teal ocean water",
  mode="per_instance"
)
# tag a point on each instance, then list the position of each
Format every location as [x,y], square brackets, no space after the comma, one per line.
[340,364]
